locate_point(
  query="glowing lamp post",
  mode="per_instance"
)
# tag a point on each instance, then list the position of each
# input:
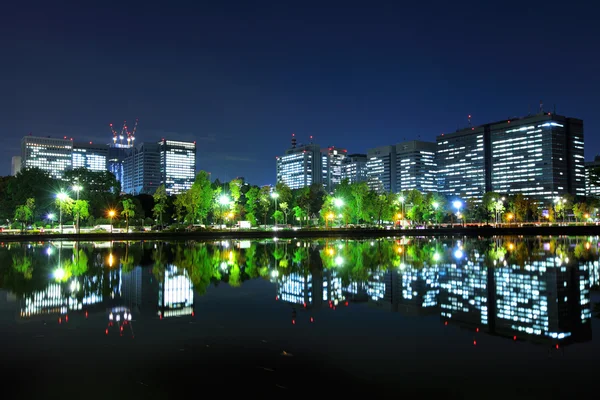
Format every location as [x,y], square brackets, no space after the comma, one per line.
[62,197]
[50,217]
[402,199]
[223,201]
[275,196]
[111,214]
[457,204]
[330,216]
[435,206]
[77,189]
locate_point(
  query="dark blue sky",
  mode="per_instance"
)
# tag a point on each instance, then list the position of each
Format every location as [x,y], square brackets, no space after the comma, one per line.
[240,76]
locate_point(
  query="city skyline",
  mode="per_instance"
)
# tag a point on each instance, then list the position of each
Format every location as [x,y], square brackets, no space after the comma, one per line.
[240,80]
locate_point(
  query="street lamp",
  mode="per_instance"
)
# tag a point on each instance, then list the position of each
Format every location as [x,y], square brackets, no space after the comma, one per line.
[50,217]
[275,196]
[77,189]
[329,217]
[457,204]
[401,199]
[111,214]
[223,201]
[62,196]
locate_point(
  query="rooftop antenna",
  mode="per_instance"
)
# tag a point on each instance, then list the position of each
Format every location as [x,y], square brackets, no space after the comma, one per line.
[469,119]
[541,107]
[311,139]
[293,140]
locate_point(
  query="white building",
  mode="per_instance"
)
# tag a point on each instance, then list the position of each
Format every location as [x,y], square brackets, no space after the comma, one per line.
[52,155]
[300,166]
[177,165]
[91,156]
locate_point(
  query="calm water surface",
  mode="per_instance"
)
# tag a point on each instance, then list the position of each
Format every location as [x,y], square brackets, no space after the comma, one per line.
[469,318]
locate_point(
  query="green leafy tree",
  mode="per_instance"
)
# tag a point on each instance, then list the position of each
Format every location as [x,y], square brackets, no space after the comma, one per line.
[24,212]
[278,216]
[580,210]
[520,207]
[264,201]
[284,192]
[81,209]
[284,209]
[128,211]
[160,203]
[358,192]
[299,213]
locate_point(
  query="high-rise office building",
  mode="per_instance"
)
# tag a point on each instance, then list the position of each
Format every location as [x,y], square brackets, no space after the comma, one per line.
[354,168]
[540,156]
[141,169]
[461,166]
[91,156]
[15,165]
[300,166]
[177,165]
[332,161]
[415,166]
[592,175]
[49,154]
[381,169]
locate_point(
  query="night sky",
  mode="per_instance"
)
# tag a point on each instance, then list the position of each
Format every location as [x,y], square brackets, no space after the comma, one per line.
[240,76]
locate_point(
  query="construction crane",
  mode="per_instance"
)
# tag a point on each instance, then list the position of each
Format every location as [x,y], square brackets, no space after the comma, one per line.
[124,134]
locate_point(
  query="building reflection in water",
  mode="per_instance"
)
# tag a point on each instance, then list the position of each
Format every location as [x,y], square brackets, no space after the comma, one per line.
[539,292]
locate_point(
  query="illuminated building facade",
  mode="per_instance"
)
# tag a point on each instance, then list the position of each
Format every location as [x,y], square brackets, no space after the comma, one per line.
[592,169]
[354,168]
[300,166]
[415,166]
[177,165]
[381,169]
[461,163]
[141,169]
[540,156]
[49,154]
[91,156]
[332,159]
[116,160]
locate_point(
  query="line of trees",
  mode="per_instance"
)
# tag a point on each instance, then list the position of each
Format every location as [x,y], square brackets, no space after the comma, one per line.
[94,198]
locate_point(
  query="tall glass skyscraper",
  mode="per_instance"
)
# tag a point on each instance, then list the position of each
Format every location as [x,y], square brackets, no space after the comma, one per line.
[49,154]
[415,166]
[332,160]
[381,169]
[141,169]
[354,168]
[177,165]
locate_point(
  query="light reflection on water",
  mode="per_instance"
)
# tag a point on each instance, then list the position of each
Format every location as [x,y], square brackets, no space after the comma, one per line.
[532,289]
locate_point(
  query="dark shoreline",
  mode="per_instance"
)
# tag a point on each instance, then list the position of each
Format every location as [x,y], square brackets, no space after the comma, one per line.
[316,233]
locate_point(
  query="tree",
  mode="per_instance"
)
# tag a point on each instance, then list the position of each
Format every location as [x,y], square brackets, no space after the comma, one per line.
[284,208]
[299,213]
[284,192]
[81,208]
[580,210]
[202,194]
[264,201]
[100,188]
[520,207]
[358,192]
[160,203]
[128,211]
[278,216]
[24,212]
